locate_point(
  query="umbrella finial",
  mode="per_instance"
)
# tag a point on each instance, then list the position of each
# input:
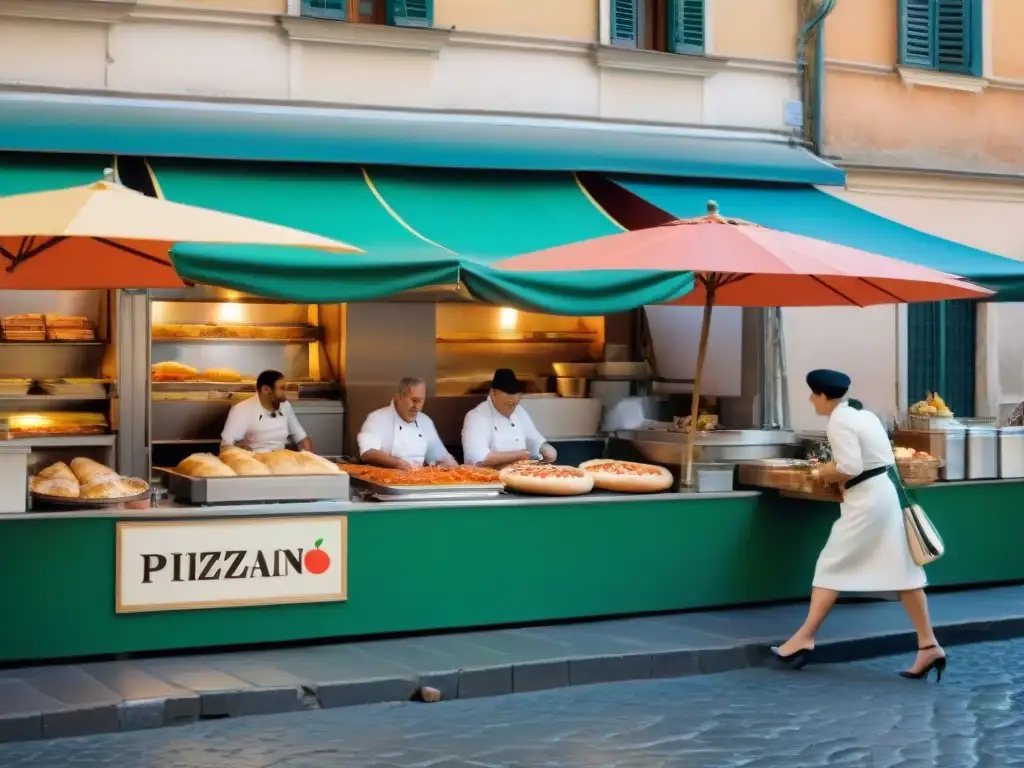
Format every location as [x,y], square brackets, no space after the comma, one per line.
[108,176]
[712,208]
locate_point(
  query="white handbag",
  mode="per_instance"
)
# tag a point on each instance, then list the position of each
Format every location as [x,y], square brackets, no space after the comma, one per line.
[926,545]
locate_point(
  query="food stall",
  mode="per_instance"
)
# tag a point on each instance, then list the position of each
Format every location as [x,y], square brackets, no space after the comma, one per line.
[228,560]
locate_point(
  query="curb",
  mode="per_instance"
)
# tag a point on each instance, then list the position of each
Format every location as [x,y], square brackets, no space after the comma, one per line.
[189,707]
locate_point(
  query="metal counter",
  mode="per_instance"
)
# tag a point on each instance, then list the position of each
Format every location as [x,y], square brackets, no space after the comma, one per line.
[724,445]
[180,511]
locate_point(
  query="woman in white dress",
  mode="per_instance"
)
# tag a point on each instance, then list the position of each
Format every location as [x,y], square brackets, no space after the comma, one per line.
[867,550]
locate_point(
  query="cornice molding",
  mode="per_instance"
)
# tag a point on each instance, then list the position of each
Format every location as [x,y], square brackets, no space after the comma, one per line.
[929,78]
[201,15]
[635,60]
[409,39]
[943,185]
[85,11]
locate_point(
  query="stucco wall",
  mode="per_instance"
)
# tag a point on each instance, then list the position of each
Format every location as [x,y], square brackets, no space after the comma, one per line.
[555,19]
[761,29]
[873,116]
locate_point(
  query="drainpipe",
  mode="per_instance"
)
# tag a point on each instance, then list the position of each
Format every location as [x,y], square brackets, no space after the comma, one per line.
[813,96]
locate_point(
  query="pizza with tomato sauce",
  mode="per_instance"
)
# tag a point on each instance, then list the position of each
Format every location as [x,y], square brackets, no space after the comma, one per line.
[547,479]
[627,476]
[423,475]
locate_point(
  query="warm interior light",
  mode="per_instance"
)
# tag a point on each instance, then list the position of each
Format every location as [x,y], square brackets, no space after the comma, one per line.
[229,312]
[508,319]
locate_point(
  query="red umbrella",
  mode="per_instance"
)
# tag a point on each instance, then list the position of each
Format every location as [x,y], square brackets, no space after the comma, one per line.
[737,263]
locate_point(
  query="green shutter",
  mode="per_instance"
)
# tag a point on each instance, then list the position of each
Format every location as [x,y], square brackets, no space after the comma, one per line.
[941,345]
[325,9]
[953,35]
[411,13]
[623,22]
[941,34]
[686,26]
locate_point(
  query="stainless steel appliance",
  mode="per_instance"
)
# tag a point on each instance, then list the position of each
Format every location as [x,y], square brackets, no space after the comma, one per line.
[1011,452]
[571,387]
[723,445]
[261,488]
[982,449]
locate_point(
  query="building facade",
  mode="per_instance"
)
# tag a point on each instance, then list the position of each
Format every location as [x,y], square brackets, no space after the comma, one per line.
[922,105]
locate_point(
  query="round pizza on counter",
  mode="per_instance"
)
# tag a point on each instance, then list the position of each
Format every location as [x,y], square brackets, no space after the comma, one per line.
[627,476]
[547,479]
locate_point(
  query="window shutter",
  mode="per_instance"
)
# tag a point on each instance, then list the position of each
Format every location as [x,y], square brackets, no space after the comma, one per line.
[953,35]
[411,13]
[917,25]
[686,26]
[623,22]
[325,9]
[941,348]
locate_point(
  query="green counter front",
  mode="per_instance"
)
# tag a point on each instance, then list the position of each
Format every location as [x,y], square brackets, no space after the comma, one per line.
[464,564]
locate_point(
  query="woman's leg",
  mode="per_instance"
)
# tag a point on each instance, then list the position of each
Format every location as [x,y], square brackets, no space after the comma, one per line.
[822,601]
[916,605]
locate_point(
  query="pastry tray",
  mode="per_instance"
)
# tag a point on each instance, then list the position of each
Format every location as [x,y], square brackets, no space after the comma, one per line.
[78,503]
[255,489]
[383,492]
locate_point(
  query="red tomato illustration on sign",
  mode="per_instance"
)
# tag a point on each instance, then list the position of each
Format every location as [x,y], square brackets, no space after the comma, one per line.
[316,560]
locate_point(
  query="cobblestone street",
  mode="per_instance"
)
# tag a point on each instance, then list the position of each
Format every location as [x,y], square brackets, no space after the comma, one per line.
[852,714]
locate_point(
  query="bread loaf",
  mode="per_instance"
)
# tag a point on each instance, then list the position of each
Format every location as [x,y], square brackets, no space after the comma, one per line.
[204,465]
[225,375]
[108,489]
[172,371]
[243,462]
[56,486]
[58,471]
[316,465]
[283,462]
[89,472]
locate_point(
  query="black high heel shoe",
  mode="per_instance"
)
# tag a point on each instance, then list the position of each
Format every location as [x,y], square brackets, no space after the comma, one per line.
[939,665]
[794,661]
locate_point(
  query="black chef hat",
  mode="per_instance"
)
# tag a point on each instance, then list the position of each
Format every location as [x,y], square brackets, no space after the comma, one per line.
[831,384]
[505,381]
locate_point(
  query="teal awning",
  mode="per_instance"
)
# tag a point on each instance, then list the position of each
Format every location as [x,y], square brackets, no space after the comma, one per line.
[804,210]
[484,217]
[419,228]
[325,200]
[21,173]
[42,122]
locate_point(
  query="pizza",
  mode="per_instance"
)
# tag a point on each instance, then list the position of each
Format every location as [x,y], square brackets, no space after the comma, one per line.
[547,479]
[628,476]
[423,475]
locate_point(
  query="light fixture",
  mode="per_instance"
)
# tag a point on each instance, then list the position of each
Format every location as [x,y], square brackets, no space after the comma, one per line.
[229,312]
[508,319]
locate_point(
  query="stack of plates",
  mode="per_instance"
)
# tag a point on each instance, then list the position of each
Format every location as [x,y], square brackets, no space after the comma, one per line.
[24,328]
[69,328]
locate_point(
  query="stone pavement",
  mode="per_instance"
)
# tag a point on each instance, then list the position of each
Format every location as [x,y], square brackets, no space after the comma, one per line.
[62,701]
[859,715]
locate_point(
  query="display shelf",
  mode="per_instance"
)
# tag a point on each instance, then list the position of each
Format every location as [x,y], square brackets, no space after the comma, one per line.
[540,337]
[64,441]
[209,340]
[52,343]
[52,398]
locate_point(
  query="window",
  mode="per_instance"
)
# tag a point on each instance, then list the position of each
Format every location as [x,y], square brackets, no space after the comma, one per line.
[943,35]
[673,26]
[397,13]
[941,344]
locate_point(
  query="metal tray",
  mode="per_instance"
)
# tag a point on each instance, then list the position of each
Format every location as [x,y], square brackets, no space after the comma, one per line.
[423,492]
[64,501]
[256,489]
[456,496]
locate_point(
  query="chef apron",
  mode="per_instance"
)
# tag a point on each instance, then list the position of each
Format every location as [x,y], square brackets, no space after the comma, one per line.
[270,433]
[408,442]
[507,434]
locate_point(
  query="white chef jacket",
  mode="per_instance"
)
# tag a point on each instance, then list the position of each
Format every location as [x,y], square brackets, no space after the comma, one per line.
[486,430]
[416,442]
[260,428]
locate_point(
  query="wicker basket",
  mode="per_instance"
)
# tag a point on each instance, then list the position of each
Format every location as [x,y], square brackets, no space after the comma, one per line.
[919,472]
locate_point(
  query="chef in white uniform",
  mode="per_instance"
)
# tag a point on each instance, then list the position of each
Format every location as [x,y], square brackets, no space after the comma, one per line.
[266,421]
[499,431]
[867,550]
[400,435]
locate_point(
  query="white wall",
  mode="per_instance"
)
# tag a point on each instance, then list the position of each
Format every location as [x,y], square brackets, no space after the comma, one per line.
[178,51]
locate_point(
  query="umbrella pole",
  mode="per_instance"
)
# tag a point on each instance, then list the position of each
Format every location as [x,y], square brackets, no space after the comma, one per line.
[705,330]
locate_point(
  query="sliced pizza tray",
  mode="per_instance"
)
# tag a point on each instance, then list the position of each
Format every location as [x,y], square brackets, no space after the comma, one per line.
[383,492]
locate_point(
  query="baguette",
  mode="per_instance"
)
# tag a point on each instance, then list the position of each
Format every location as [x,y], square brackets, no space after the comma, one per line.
[89,472]
[243,462]
[204,465]
[282,462]
[316,465]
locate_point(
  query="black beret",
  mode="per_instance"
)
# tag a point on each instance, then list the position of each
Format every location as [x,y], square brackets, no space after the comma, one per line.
[831,384]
